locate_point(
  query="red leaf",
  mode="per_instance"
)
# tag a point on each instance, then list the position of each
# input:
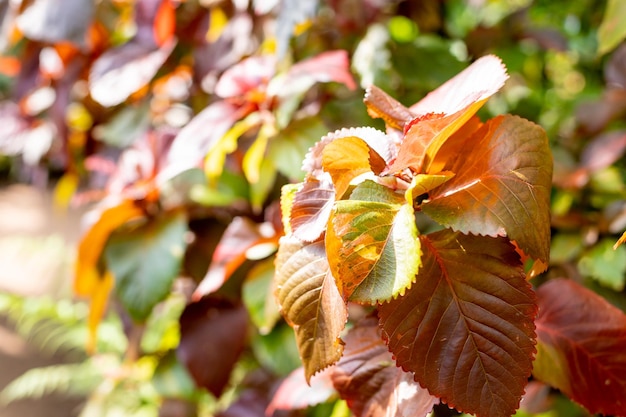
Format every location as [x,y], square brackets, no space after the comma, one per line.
[367,378]
[381,105]
[502,182]
[248,75]
[465,328]
[325,67]
[212,336]
[164,22]
[295,393]
[311,209]
[582,346]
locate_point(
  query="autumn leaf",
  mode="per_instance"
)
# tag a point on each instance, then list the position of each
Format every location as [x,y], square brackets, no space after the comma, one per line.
[311,209]
[381,105]
[445,110]
[213,334]
[367,378]
[296,393]
[502,182]
[348,157]
[465,327]
[582,340]
[310,302]
[372,244]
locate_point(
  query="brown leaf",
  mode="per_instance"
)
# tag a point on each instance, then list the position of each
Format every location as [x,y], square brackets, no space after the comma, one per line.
[310,302]
[582,346]
[465,328]
[213,335]
[381,105]
[367,378]
[502,182]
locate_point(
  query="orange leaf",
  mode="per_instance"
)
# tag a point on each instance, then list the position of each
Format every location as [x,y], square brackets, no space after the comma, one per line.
[164,22]
[381,105]
[97,307]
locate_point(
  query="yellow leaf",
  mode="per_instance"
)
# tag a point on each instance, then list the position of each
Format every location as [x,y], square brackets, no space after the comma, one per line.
[97,307]
[620,241]
[255,154]
[65,189]
[217,24]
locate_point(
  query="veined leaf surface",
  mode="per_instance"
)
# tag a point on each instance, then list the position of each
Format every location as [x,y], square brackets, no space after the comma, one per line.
[311,208]
[465,328]
[367,378]
[381,105]
[310,302]
[582,346]
[501,187]
[372,245]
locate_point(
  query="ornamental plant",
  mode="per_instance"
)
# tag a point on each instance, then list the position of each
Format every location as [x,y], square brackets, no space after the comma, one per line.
[436,226]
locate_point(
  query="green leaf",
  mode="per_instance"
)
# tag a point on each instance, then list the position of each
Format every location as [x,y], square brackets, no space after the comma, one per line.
[258,296]
[582,340]
[501,187]
[372,246]
[367,378]
[465,327]
[606,265]
[288,148]
[612,30]
[310,302]
[145,261]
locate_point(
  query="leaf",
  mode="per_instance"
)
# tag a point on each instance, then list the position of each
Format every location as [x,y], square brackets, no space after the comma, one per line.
[421,184]
[310,302]
[246,78]
[372,245]
[348,157]
[213,334]
[230,253]
[381,105]
[612,29]
[145,261]
[445,110]
[121,71]
[288,148]
[164,22]
[376,140]
[367,378]
[296,393]
[501,187]
[311,209]
[328,66]
[86,274]
[465,327]
[582,340]
[194,140]
[620,241]
[605,264]
[53,21]
[257,294]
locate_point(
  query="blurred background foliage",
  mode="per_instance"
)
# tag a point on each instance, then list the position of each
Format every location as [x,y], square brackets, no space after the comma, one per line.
[107,101]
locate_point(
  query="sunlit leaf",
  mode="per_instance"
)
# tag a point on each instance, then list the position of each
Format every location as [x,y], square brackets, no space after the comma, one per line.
[605,264]
[620,241]
[381,105]
[92,243]
[295,392]
[372,245]
[376,140]
[348,157]
[582,340]
[213,334]
[311,209]
[52,21]
[465,327]
[366,377]
[328,66]
[194,140]
[422,183]
[612,30]
[310,302]
[245,79]
[502,182]
[145,261]
[255,154]
[122,71]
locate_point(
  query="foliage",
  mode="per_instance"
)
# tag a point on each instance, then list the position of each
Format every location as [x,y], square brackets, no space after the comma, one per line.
[423,253]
